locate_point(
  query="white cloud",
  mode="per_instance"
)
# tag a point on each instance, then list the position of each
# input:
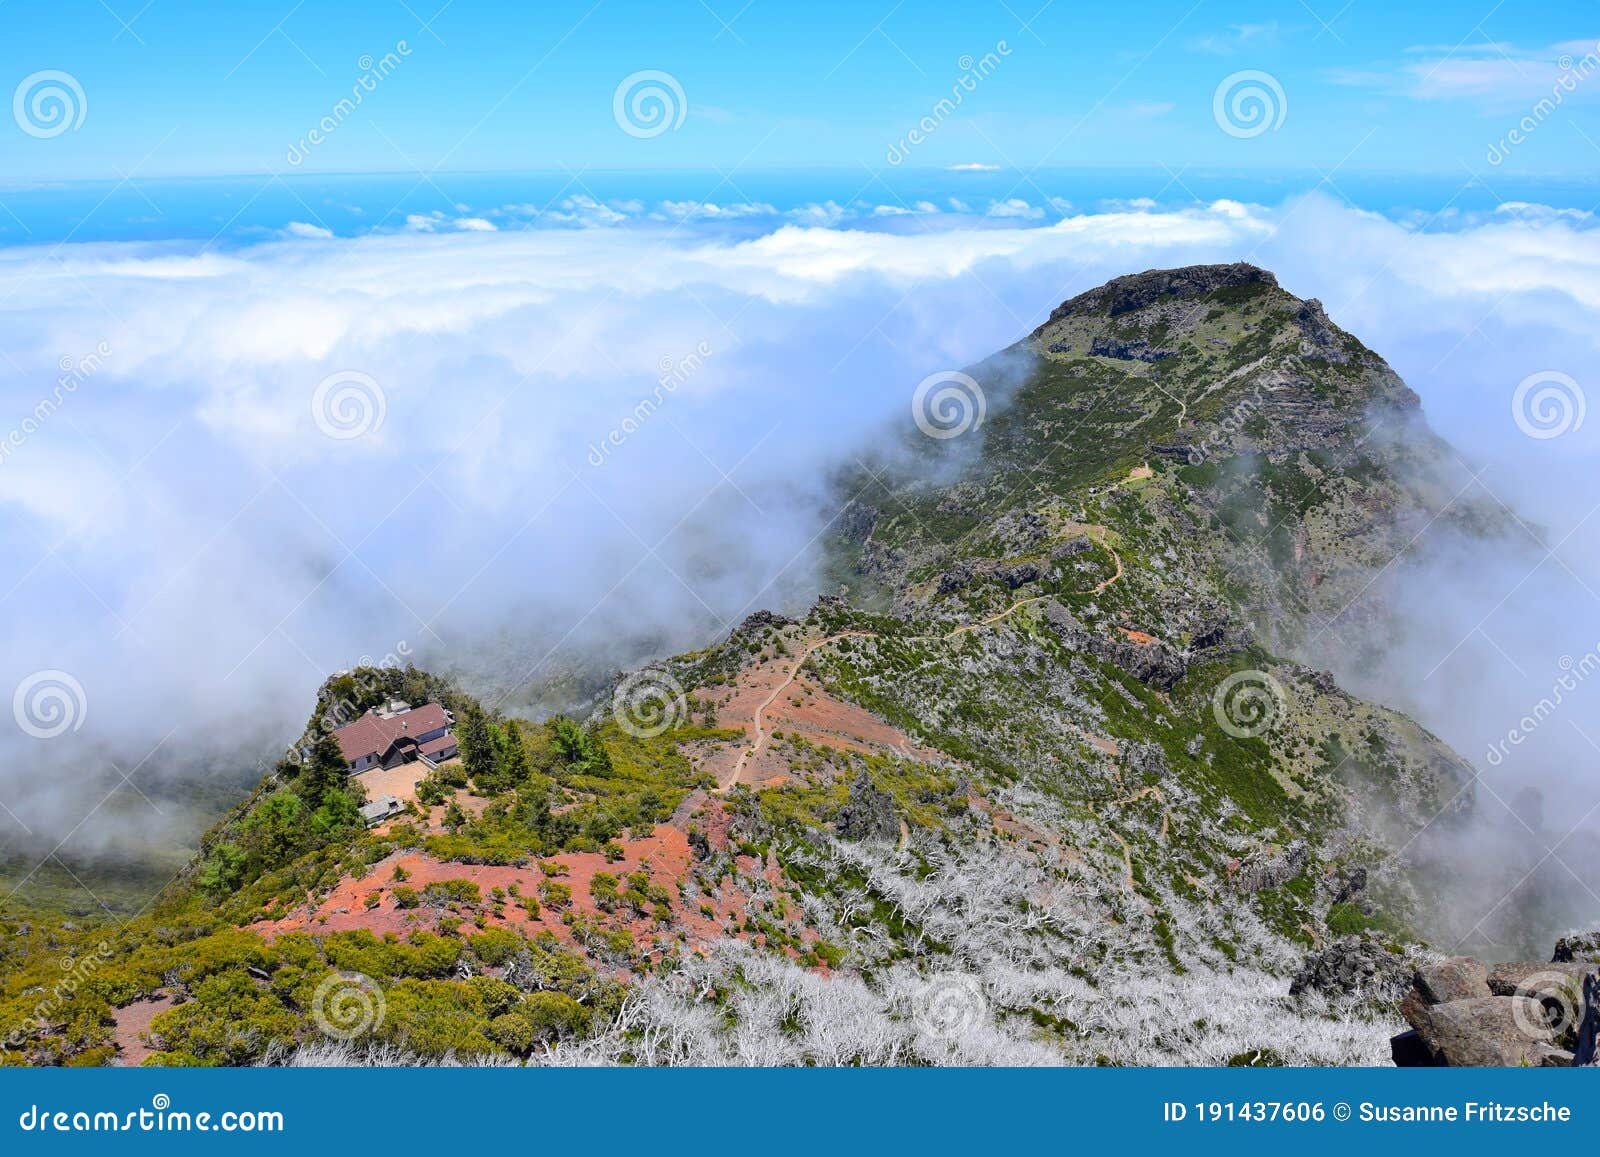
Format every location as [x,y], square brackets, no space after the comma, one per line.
[1500,75]
[211,539]
[307,231]
[974,167]
[1239,37]
[824,215]
[710,211]
[1531,212]
[1144,109]
[1015,207]
[587,211]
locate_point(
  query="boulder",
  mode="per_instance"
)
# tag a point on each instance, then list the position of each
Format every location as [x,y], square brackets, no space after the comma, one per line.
[1588,1051]
[1078,544]
[1578,947]
[1017,574]
[1134,350]
[1156,664]
[1551,1057]
[1484,1031]
[1318,337]
[956,578]
[1351,885]
[754,624]
[1454,978]
[1271,867]
[1543,980]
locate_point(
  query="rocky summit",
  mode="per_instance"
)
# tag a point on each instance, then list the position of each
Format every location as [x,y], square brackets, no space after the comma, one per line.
[1462,1012]
[1056,775]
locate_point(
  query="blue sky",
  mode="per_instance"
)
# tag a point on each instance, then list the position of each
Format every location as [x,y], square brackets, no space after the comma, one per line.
[175,88]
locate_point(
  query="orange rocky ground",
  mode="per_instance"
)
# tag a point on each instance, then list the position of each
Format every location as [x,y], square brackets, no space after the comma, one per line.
[775,695]
[665,854]
[769,696]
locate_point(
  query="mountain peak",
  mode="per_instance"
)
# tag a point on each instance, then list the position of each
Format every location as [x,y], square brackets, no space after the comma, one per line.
[1136,290]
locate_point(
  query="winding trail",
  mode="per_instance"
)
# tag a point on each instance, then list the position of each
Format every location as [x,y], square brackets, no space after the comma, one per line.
[1127,851]
[1115,557]
[1101,535]
[758,723]
[992,619]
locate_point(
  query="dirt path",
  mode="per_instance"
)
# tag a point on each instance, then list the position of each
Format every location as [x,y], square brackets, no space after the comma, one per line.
[132,1023]
[1115,557]
[992,619]
[1127,852]
[758,725]
[1101,535]
[759,733]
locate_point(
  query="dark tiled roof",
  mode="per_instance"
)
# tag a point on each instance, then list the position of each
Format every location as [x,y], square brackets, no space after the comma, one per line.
[435,746]
[374,735]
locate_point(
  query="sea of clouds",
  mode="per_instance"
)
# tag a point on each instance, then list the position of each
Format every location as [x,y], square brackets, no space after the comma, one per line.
[516,454]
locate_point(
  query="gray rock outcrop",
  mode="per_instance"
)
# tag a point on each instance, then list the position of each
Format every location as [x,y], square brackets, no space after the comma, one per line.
[869,814]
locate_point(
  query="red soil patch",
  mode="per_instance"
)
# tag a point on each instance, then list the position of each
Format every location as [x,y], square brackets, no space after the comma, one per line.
[1138,637]
[666,854]
[791,702]
[1109,746]
[132,1023]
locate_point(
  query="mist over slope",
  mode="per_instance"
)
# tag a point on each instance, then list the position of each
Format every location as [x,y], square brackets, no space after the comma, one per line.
[196,541]
[1050,781]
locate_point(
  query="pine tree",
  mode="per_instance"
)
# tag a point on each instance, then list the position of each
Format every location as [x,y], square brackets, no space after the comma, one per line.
[323,773]
[479,753]
[513,755]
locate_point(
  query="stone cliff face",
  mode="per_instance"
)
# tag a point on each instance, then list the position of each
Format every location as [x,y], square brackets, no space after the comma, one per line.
[1137,291]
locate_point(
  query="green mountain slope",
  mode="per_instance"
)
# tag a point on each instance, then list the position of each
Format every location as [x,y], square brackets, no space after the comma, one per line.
[1046,786]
